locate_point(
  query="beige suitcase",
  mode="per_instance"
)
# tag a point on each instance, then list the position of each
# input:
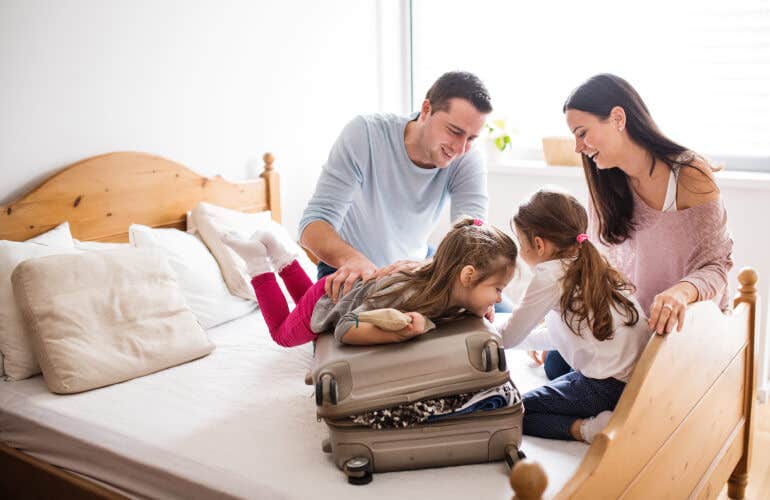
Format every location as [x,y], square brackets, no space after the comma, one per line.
[458,357]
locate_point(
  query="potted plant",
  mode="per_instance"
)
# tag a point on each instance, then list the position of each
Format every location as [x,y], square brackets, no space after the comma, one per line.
[498,140]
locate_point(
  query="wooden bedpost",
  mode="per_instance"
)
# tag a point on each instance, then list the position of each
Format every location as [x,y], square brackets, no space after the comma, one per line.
[528,480]
[273,187]
[747,293]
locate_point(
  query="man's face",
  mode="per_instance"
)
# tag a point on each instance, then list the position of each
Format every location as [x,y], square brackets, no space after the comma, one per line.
[451,132]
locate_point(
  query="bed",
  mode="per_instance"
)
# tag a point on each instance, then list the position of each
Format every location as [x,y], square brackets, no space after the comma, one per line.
[240,423]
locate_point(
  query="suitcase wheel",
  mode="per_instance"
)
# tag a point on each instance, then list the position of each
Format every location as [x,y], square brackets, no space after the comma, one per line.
[513,455]
[488,355]
[358,470]
[487,358]
[330,392]
[502,363]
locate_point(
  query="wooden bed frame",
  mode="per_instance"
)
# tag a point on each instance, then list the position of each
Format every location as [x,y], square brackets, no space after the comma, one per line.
[683,426]
[681,429]
[101,197]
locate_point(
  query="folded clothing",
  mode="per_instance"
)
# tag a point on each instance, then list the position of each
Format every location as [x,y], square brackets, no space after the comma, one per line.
[431,410]
[494,398]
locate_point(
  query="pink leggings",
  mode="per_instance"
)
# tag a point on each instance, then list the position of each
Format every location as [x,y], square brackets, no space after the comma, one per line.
[288,329]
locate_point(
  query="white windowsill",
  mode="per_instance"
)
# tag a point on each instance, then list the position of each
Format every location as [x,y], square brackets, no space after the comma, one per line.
[532,168]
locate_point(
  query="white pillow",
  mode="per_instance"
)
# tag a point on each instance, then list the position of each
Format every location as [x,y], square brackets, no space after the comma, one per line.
[210,221]
[198,274]
[107,317]
[18,359]
[98,246]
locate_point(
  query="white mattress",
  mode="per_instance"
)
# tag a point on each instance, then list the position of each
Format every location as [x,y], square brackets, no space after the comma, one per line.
[237,423]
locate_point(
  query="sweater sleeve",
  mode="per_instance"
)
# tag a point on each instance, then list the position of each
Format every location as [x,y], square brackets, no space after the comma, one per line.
[711,259]
[341,177]
[468,187]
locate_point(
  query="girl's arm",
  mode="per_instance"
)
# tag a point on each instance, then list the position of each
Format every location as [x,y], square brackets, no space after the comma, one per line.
[367,334]
[541,296]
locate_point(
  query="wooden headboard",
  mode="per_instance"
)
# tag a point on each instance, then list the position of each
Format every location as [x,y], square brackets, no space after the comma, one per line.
[101,196]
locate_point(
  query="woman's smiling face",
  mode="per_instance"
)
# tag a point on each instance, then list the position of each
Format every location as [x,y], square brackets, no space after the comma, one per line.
[595,138]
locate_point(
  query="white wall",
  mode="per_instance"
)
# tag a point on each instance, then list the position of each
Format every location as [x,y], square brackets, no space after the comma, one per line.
[210,84]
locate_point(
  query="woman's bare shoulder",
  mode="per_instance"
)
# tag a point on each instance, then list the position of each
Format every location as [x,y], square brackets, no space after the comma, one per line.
[696,184]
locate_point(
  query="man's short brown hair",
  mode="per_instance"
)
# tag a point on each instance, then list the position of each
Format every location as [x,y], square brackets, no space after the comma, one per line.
[459,84]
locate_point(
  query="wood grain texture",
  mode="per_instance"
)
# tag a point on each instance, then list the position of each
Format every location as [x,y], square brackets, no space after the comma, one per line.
[683,425]
[103,195]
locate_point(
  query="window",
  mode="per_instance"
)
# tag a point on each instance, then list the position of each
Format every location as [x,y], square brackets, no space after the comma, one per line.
[702,67]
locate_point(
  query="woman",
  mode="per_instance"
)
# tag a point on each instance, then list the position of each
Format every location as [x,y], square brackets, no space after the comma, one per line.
[653,202]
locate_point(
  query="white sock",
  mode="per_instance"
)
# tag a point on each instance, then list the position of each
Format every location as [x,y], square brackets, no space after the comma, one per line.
[276,250]
[253,253]
[594,425]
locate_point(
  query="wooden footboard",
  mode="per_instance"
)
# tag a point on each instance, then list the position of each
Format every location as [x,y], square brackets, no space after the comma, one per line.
[683,425]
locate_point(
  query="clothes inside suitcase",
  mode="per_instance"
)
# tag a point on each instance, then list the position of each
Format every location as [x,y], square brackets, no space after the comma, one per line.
[451,364]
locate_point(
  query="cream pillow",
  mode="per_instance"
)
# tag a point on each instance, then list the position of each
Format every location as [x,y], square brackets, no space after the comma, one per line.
[18,360]
[197,272]
[210,221]
[107,317]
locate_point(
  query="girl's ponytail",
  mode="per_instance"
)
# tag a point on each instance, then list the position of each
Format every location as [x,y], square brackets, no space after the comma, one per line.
[591,288]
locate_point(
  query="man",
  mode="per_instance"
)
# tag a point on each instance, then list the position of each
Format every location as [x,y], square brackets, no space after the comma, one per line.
[387,178]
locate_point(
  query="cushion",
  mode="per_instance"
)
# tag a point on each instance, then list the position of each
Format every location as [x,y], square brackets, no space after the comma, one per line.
[98,318]
[18,359]
[210,221]
[197,272]
[98,246]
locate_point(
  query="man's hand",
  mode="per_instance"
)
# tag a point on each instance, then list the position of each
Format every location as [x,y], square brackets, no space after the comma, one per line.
[398,266]
[340,282]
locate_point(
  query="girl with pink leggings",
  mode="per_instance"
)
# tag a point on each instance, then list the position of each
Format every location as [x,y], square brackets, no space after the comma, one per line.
[472,265]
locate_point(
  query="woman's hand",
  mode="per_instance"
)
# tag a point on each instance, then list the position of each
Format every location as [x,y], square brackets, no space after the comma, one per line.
[669,307]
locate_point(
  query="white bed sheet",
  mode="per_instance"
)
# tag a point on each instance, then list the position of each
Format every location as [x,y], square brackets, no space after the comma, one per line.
[237,423]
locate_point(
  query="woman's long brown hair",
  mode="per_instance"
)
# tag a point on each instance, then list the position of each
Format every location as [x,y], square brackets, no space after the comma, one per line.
[591,286]
[610,193]
[427,289]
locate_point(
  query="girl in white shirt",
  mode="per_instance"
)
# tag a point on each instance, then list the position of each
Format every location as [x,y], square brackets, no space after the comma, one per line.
[591,318]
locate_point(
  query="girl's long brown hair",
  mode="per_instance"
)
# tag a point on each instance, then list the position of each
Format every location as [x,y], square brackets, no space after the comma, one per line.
[591,286]
[427,289]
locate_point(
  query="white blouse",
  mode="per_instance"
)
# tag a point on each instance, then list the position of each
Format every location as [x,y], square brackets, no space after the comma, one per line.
[613,357]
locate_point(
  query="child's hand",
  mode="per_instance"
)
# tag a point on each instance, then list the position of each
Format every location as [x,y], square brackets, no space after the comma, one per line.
[490,315]
[413,329]
[538,356]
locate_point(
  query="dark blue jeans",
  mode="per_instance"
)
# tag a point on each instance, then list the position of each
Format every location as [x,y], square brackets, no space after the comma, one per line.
[555,366]
[550,410]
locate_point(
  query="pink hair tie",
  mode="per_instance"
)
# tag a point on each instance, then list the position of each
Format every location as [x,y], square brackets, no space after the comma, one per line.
[581,237]
[478,222]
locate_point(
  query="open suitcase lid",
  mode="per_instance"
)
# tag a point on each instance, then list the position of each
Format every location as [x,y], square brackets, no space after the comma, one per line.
[459,356]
